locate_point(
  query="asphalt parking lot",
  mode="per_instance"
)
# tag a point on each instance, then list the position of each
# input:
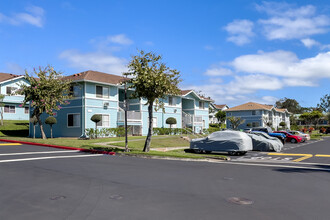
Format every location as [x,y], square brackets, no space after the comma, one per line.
[47,183]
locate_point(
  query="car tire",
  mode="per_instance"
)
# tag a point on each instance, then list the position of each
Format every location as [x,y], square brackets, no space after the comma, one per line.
[293,140]
[241,153]
[232,153]
[198,151]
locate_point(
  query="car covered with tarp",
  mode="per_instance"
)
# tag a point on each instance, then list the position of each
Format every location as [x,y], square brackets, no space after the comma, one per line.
[233,142]
[263,142]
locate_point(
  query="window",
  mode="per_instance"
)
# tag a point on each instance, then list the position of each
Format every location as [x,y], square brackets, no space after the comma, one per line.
[255,124]
[201,105]
[74,91]
[154,122]
[10,90]
[9,109]
[253,112]
[73,120]
[105,122]
[26,110]
[171,101]
[102,92]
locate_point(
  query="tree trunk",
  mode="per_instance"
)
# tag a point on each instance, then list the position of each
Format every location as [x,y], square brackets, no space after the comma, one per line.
[51,131]
[34,131]
[95,130]
[41,127]
[148,139]
[1,115]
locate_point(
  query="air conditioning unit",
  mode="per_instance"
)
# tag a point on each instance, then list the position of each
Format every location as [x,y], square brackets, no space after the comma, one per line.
[106,104]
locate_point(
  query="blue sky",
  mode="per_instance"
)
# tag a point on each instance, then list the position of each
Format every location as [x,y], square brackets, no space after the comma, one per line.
[233,51]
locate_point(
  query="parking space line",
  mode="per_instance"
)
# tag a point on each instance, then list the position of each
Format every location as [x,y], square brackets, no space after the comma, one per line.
[42,152]
[45,158]
[10,144]
[322,155]
[303,156]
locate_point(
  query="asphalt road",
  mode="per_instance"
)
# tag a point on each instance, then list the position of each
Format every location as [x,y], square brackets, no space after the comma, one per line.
[59,184]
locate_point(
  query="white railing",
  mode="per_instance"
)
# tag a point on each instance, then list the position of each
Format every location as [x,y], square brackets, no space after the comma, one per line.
[187,119]
[198,119]
[131,116]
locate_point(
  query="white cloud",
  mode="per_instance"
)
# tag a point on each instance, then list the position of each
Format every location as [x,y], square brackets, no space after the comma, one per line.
[275,63]
[240,31]
[120,39]
[14,68]
[218,72]
[98,61]
[34,16]
[309,43]
[287,22]
[285,64]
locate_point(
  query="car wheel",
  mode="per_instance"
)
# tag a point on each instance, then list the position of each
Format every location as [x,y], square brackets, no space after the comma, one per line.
[241,153]
[293,140]
[198,151]
[232,153]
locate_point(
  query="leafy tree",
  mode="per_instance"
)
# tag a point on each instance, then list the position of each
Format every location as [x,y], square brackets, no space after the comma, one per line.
[290,104]
[96,118]
[221,116]
[171,121]
[1,107]
[51,121]
[235,122]
[34,121]
[311,117]
[324,103]
[282,124]
[45,93]
[152,80]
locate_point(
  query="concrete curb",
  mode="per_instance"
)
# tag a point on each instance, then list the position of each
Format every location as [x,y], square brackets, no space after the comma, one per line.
[61,147]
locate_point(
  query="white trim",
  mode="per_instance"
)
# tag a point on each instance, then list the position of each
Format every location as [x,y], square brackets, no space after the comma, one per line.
[96,82]
[67,121]
[103,99]
[8,80]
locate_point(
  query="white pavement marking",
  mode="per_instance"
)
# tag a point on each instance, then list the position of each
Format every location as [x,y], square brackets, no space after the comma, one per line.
[45,158]
[42,152]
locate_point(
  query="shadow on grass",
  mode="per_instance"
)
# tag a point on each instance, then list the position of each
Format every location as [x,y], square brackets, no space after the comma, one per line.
[15,133]
[316,168]
[109,149]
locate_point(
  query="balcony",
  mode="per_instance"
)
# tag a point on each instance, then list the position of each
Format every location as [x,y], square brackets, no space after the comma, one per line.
[131,116]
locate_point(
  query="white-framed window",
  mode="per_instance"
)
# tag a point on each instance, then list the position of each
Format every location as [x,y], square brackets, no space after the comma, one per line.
[73,120]
[9,109]
[26,110]
[102,92]
[105,122]
[201,105]
[10,90]
[74,90]
[171,101]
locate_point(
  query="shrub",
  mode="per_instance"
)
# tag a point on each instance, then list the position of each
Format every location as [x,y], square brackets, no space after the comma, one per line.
[50,121]
[171,121]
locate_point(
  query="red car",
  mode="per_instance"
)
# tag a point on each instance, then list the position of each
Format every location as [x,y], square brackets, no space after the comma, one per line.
[290,137]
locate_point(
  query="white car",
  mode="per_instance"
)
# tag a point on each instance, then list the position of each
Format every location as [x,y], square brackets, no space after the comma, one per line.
[305,137]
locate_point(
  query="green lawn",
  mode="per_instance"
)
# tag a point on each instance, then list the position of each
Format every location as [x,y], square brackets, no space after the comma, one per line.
[14,128]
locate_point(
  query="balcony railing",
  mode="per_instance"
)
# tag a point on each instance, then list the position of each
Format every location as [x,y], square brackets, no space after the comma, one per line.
[131,116]
[198,120]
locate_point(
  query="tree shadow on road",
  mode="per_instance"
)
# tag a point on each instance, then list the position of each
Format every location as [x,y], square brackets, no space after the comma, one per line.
[311,169]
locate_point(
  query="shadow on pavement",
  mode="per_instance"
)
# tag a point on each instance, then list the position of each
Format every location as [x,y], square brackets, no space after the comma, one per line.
[316,168]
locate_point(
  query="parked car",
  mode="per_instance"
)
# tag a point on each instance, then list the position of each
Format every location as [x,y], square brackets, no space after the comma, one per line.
[269,131]
[233,142]
[263,142]
[305,137]
[327,131]
[247,130]
[290,137]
